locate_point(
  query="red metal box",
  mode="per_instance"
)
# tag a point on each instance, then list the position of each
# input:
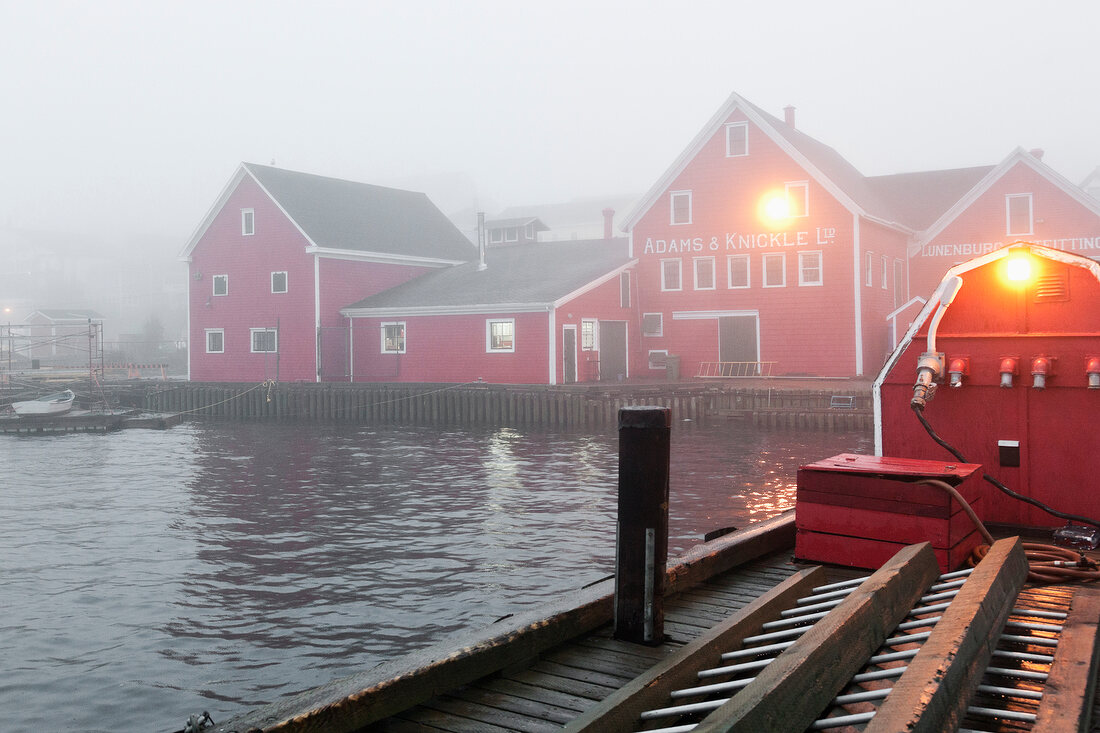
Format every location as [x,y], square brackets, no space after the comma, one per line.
[860,510]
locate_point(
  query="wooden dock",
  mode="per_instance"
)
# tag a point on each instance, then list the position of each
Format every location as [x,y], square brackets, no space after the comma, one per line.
[993,652]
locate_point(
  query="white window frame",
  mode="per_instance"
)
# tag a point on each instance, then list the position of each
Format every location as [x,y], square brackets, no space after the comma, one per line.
[224,279]
[869,266]
[496,236]
[672,196]
[593,327]
[660,325]
[791,190]
[713,275]
[730,259]
[802,268]
[489,336]
[885,272]
[219,332]
[252,340]
[286,281]
[782,269]
[248,222]
[382,333]
[529,231]
[730,152]
[654,352]
[679,275]
[899,283]
[511,234]
[1030,214]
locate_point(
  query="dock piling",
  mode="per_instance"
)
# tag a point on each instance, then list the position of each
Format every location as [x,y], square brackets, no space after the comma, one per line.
[641,551]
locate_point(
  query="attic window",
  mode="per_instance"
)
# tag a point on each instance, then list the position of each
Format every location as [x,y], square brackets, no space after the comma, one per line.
[737,139]
[248,222]
[680,205]
[1018,214]
[529,231]
[798,199]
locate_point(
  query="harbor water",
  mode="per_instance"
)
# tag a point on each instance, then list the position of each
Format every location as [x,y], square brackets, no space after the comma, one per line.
[147,576]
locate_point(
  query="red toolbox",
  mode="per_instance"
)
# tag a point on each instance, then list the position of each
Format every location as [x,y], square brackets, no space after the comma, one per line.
[860,510]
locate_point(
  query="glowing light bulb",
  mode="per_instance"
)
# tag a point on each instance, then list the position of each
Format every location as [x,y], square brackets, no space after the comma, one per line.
[1018,268]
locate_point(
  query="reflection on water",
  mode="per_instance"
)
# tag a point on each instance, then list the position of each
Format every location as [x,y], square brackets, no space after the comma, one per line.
[151,575]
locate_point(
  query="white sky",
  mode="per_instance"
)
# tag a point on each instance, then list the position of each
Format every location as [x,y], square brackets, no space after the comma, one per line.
[129,117]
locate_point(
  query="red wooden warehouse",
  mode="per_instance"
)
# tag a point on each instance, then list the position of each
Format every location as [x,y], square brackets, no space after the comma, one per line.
[763,250]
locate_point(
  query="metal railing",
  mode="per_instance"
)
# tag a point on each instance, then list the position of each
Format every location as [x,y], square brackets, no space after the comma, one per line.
[722,369]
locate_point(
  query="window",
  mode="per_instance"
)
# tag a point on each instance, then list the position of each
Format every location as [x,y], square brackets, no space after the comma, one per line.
[496,236]
[658,358]
[809,268]
[704,273]
[885,271]
[737,139]
[899,283]
[670,275]
[624,289]
[1018,214]
[215,341]
[680,204]
[500,335]
[529,231]
[653,324]
[869,269]
[393,337]
[264,340]
[798,199]
[588,335]
[221,284]
[511,234]
[737,271]
[278,282]
[775,271]
[248,222]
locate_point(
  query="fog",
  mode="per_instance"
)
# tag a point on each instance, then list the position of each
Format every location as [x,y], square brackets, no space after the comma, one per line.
[122,121]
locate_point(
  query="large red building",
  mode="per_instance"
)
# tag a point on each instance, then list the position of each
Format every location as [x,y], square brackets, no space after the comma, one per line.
[763,250]
[759,251]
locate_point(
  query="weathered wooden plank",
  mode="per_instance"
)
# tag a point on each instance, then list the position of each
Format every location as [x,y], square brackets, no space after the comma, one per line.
[621,710]
[586,676]
[487,714]
[543,678]
[558,698]
[933,694]
[1071,683]
[792,691]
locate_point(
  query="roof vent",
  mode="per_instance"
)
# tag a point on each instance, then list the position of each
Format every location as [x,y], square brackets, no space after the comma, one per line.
[1036,153]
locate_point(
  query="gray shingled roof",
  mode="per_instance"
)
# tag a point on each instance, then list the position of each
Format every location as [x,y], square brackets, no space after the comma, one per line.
[530,274]
[919,199]
[340,214]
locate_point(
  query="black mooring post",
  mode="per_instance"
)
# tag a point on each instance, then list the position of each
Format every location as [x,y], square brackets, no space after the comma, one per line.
[641,550]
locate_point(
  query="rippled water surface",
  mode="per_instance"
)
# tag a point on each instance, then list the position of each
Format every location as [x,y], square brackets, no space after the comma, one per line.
[150,575]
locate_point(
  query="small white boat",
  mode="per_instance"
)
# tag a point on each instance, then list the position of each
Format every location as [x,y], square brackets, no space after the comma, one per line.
[52,404]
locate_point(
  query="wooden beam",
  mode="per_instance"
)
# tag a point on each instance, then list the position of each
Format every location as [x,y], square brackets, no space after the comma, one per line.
[790,693]
[934,692]
[621,710]
[1071,682]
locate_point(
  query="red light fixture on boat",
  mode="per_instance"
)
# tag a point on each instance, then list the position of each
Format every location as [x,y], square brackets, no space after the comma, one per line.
[1009,369]
[1092,368]
[957,369]
[1041,368]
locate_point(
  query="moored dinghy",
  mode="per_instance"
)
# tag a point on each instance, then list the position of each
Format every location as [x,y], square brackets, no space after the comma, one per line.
[51,404]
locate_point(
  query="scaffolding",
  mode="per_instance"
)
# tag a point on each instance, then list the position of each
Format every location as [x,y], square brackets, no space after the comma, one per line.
[32,349]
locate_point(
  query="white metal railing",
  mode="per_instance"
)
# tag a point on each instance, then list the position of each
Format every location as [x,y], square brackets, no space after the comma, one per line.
[723,369]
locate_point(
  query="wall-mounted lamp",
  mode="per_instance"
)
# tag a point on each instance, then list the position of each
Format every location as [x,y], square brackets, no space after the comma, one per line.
[1092,368]
[1009,368]
[1041,368]
[958,367]
[197,276]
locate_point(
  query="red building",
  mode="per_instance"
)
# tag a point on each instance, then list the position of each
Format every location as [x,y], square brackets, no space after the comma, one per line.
[763,250]
[528,314]
[278,256]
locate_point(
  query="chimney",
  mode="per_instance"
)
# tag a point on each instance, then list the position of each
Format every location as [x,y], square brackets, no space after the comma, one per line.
[788,116]
[481,241]
[608,215]
[1036,153]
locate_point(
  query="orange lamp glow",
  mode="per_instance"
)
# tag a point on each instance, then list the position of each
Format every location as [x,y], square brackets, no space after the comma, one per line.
[773,209]
[1018,268]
